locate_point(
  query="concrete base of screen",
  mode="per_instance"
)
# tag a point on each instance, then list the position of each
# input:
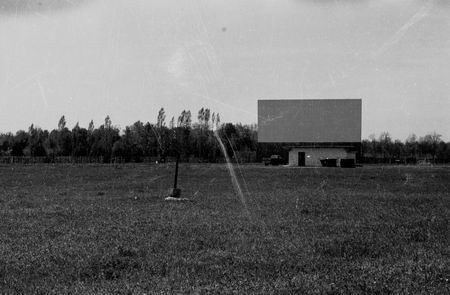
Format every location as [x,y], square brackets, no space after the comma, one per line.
[312,156]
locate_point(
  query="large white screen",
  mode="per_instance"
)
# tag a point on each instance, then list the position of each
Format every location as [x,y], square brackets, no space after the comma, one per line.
[309,121]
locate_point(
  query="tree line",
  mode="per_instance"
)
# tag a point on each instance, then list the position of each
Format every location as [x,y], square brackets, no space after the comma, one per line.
[190,139]
[383,149]
[193,139]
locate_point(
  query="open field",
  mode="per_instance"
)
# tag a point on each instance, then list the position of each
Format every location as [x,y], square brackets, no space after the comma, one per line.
[104,229]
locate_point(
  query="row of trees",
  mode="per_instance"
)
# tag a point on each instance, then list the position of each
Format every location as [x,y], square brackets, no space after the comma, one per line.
[136,142]
[194,138]
[429,148]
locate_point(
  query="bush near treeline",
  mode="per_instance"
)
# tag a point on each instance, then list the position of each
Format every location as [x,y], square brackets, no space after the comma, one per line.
[195,140]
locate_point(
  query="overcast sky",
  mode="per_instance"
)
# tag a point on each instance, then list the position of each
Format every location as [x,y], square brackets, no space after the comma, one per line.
[87,59]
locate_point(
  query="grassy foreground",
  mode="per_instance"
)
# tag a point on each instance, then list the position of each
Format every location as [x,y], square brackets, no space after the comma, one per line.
[105,229]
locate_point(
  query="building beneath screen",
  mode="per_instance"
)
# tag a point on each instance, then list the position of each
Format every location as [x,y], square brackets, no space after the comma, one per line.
[317,132]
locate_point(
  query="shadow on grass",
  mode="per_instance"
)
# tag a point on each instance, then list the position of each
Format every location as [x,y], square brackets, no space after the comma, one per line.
[352,248]
[113,266]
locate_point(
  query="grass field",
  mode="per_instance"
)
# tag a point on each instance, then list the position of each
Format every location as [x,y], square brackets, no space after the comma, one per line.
[104,229]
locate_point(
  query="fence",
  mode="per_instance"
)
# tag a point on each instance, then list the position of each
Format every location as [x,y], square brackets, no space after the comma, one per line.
[28,160]
[397,161]
[59,160]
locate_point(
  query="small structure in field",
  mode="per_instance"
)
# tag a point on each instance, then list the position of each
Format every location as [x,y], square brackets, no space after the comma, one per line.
[175,192]
[317,132]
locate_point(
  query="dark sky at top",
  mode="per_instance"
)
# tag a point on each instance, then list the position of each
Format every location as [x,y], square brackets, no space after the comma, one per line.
[20,7]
